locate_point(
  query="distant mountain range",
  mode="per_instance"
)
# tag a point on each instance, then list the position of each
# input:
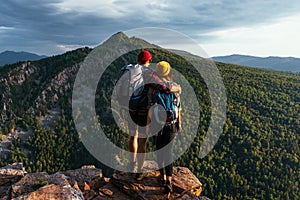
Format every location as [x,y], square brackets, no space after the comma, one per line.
[291,64]
[275,63]
[10,57]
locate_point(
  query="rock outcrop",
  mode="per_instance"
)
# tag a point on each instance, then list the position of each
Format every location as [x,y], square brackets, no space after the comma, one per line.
[89,183]
[185,185]
[53,191]
[8,176]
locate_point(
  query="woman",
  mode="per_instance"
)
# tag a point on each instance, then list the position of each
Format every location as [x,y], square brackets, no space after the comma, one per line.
[168,132]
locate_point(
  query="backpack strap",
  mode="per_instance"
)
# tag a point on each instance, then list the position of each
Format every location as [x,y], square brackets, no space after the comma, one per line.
[149,89]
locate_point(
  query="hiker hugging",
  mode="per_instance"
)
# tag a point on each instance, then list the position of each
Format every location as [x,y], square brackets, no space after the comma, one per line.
[153,99]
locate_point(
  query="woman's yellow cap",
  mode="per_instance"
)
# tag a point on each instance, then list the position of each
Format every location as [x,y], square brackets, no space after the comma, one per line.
[163,68]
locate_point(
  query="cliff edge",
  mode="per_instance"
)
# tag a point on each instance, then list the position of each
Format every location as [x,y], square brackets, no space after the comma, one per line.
[88,183]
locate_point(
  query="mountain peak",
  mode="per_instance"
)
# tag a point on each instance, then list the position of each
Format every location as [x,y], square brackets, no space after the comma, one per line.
[120,35]
[138,42]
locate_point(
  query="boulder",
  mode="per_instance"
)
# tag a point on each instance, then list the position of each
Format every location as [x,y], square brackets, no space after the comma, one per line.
[185,182]
[9,175]
[53,191]
[86,175]
[33,181]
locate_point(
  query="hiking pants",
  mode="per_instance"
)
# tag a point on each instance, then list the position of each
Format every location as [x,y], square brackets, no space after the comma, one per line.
[164,137]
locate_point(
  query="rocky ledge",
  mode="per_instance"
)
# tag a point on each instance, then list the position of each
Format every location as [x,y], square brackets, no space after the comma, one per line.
[88,183]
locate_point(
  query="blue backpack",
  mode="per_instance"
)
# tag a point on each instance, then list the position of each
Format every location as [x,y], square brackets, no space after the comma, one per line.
[166,107]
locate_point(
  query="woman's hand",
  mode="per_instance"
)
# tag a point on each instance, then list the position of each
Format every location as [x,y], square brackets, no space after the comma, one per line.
[176,88]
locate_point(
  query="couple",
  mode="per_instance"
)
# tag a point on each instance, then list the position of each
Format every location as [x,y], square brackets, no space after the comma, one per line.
[161,80]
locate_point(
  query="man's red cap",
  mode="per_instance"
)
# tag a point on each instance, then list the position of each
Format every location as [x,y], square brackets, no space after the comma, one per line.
[144,56]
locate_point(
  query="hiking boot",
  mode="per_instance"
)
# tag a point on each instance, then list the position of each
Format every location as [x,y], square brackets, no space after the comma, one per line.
[168,187]
[140,176]
[161,180]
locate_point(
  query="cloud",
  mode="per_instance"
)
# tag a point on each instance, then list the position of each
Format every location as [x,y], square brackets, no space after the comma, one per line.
[65,48]
[105,9]
[153,10]
[5,28]
[277,39]
[73,22]
[40,22]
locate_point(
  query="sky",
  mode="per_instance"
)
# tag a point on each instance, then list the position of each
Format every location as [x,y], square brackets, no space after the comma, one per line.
[219,27]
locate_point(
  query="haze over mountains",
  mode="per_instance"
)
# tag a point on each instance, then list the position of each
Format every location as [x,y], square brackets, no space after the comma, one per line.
[290,64]
[275,63]
[10,57]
